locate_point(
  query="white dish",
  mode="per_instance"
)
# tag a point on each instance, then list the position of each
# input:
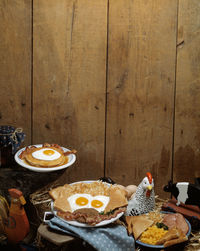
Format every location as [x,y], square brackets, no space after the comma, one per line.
[71,157]
[79,224]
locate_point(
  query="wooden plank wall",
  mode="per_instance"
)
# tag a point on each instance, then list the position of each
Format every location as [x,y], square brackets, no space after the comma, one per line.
[187,117]
[69,80]
[15,64]
[116,80]
[140,89]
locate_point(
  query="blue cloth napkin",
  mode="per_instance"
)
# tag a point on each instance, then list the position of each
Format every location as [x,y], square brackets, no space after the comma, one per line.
[112,237]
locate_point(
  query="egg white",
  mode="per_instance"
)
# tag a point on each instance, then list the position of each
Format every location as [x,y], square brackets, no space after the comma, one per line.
[72,201]
[74,206]
[103,199]
[41,156]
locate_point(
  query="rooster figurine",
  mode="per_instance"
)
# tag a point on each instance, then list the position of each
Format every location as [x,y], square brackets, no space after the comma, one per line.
[143,200]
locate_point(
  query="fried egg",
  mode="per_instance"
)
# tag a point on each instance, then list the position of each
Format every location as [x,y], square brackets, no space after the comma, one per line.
[78,201]
[46,154]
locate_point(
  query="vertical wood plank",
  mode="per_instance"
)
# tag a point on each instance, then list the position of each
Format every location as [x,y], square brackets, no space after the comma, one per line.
[141,77]
[70,79]
[15,64]
[187,116]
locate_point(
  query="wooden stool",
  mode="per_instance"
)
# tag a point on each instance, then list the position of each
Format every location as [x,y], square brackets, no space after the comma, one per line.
[49,239]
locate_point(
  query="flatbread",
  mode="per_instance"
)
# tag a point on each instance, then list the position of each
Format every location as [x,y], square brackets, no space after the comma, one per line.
[58,192]
[170,235]
[117,198]
[138,224]
[181,238]
[62,204]
[129,224]
[59,195]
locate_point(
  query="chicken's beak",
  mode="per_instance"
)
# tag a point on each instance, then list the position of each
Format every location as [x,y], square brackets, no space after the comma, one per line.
[148,192]
[149,187]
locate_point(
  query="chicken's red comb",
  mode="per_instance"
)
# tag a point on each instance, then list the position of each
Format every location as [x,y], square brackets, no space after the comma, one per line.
[149,176]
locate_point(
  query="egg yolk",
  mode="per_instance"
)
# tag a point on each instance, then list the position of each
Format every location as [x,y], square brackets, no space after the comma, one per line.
[81,201]
[48,152]
[97,203]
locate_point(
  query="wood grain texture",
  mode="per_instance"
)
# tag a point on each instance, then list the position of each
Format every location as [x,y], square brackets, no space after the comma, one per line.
[105,77]
[141,77]
[15,65]
[187,116]
[70,80]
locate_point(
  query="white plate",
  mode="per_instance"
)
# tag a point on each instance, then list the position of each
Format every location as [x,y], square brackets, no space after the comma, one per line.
[79,224]
[71,157]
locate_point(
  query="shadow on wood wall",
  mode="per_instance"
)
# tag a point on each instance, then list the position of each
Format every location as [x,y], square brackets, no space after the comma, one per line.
[116,80]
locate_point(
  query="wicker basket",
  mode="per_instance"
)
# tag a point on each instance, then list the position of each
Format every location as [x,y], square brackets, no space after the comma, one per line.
[41,200]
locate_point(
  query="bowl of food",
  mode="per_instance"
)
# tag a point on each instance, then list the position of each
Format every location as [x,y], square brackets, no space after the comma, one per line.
[158,230]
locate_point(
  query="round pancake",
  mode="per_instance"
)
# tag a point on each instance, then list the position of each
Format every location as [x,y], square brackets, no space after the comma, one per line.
[45,163]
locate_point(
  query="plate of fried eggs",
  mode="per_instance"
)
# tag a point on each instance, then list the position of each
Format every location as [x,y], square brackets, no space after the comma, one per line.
[45,158]
[71,201]
[79,224]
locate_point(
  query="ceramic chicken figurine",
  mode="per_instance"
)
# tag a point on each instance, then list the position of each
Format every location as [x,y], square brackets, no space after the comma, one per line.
[143,200]
[17,224]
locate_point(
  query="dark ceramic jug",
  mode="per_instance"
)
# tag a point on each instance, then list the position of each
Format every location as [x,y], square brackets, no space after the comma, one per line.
[10,141]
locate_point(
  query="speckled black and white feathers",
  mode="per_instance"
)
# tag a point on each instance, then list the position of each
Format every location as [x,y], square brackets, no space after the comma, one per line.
[140,203]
